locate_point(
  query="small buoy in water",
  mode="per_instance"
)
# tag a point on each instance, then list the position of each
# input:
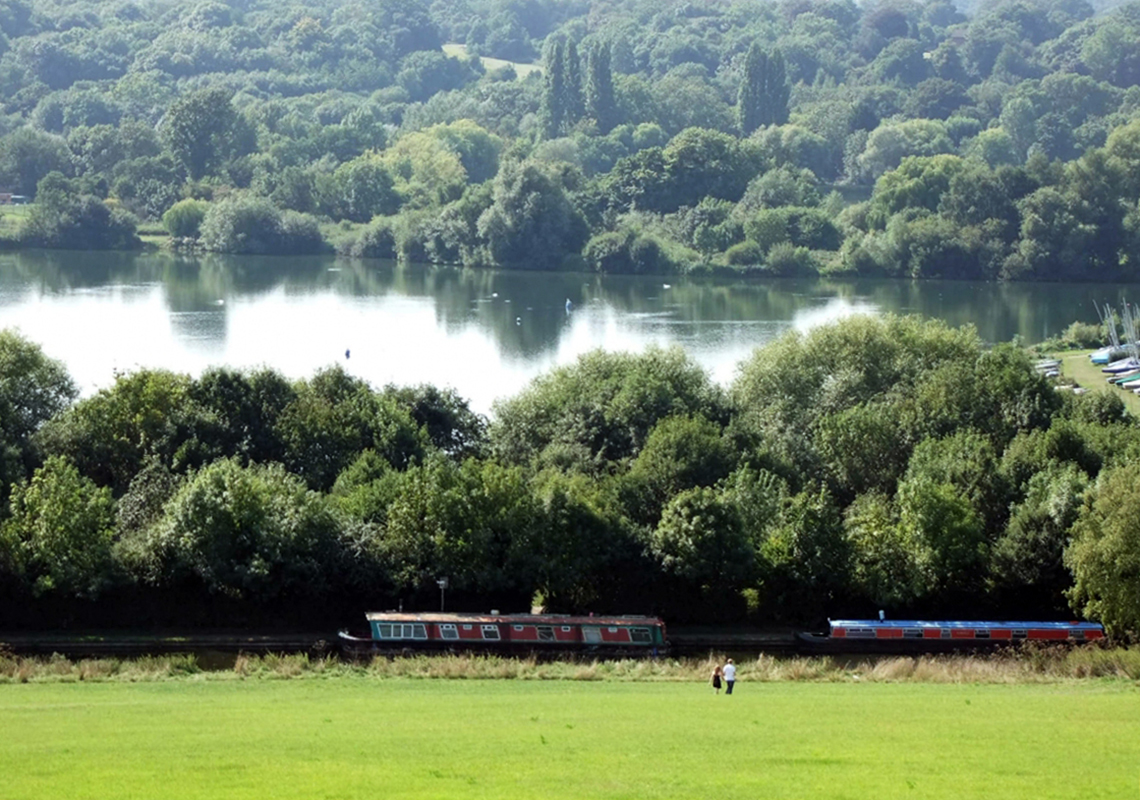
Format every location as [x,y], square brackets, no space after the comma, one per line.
[518,320]
[346,353]
[666,286]
[569,305]
[219,302]
[494,294]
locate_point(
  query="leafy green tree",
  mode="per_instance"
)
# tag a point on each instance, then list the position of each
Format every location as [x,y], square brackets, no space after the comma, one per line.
[478,149]
[1104,554]
[680,453]
[891,142]
[253,533]
[886,566]
[60,531]
[184,218]
[239,412]
[473,523]
[531,220]
[426,168]
[806,556]
[199,129]
[600,101]
[33,389]
[600,409]
[574,103]
[554,94]
[626,252]
[1027,561]
[109,435]
[361,189]
[253,225]
[426,73]
[27,155]
[702,163]
[952,546]
[764,92]
[68,219]
[783,396]
[451,425]
[585,541]
[333,418]
[701,541]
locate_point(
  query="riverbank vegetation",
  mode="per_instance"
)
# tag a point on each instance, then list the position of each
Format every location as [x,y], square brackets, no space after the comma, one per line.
[1049,664]
[995,141]
[874,463]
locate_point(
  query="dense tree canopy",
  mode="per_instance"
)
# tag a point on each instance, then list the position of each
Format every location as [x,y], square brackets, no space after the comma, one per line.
[991,145]
[915,469]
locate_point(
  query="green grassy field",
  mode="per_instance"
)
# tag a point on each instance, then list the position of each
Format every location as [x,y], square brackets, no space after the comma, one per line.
[359,737]
[522,69]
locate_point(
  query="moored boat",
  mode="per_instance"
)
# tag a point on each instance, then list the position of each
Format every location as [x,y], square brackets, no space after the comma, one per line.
[896,636]
[398,631]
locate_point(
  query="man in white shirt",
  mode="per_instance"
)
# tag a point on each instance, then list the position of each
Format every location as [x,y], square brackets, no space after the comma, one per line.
[729,676]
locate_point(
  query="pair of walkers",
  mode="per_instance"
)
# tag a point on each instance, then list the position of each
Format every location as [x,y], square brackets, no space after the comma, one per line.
[725,674]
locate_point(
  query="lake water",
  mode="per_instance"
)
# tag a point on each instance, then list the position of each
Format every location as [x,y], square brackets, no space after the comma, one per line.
[485,333]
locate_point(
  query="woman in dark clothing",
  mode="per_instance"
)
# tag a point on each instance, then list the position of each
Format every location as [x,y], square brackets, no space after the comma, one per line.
[716,678]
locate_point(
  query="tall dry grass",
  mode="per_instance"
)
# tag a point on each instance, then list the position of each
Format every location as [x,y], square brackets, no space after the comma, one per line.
[1023,665]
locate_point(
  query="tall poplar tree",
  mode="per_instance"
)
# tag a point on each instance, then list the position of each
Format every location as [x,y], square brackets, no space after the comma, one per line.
[750,101]
[776,90]
[572,69]
[554,90]
[764,92]
[599,92]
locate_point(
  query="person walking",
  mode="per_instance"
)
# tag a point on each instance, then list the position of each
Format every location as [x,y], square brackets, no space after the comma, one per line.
[729,676]
[716,678]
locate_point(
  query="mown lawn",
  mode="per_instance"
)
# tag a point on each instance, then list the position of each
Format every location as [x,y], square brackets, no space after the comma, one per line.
[349,737]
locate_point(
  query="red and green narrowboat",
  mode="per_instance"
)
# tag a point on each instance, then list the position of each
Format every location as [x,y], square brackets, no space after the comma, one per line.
[398,631]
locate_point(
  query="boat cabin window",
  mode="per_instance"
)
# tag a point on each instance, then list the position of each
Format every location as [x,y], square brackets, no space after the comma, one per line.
[592,635]
[491,632]
[466,627]
[944,633]
[1019,633]
[546,633]
[566,629]
[406,631]
[982,633]
[613,629]
[517,627]
[448,632]
[912,633]
[861,633]
[1076,634]
[640,635]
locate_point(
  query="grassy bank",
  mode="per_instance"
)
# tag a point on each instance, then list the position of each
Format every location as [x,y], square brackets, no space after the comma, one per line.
[1029,665]
[1076,366]
[355,737]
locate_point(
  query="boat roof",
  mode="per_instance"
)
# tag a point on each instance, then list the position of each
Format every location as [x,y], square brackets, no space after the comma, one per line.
[514,619]
[918,623]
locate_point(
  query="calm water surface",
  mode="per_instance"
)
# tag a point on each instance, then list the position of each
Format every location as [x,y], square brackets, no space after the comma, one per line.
[485,333]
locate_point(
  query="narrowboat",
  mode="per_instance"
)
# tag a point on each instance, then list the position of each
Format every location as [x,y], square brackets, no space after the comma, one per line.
[397,631]
[880,635]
